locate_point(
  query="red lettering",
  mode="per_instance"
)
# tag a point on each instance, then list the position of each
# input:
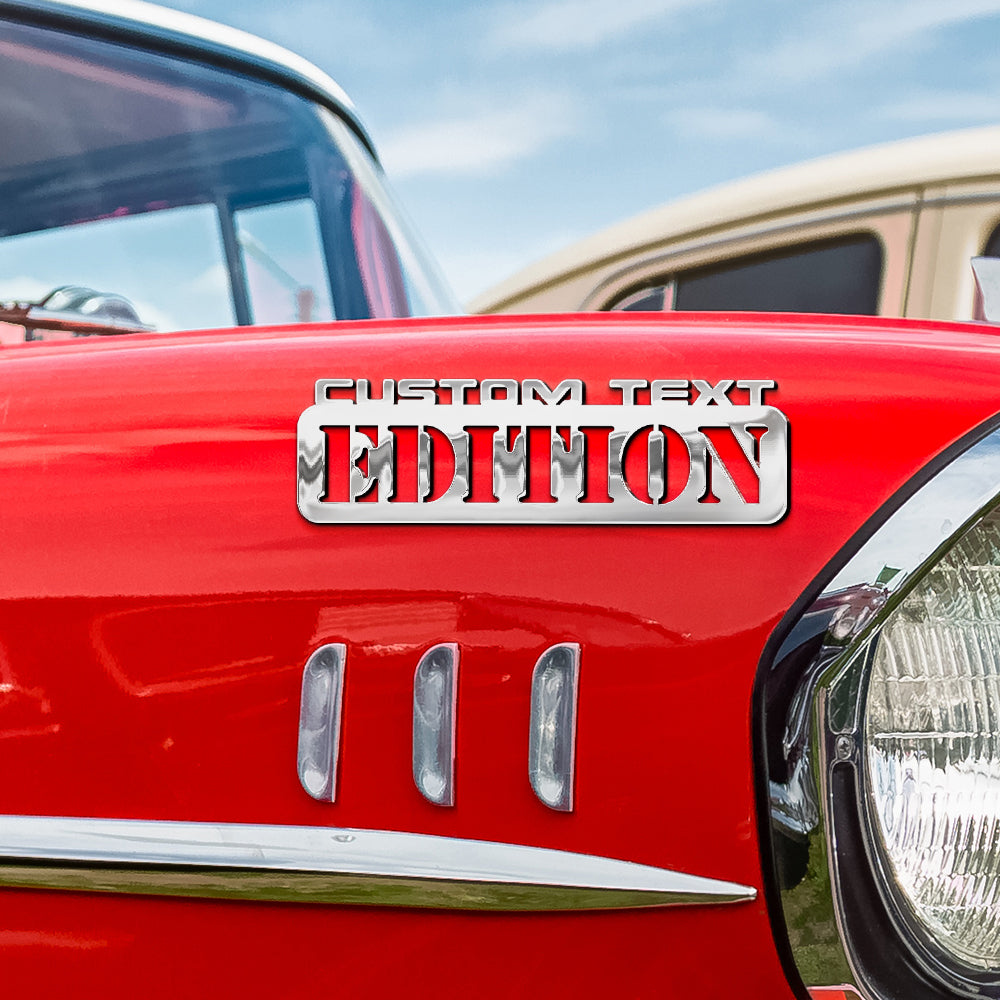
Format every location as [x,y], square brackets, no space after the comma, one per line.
[539,465]
[481,464]
[338,481]
[596,464]
[734,461]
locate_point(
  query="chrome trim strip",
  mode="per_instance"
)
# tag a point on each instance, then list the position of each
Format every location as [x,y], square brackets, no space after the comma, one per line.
[319,720]
[319,864]
[435,693]
[552,741]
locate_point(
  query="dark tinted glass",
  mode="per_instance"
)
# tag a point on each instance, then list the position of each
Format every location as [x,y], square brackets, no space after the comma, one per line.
[830,276]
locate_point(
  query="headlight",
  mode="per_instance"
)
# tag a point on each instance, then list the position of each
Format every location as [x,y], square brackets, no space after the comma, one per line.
[881,738]
[932,750]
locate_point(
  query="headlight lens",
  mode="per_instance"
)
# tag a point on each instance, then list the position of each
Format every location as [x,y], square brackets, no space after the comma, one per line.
[932,750]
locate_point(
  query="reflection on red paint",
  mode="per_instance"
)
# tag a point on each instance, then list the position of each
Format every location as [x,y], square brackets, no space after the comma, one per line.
[161,592]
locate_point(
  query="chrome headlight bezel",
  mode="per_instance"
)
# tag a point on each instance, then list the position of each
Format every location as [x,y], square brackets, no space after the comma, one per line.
[821,847]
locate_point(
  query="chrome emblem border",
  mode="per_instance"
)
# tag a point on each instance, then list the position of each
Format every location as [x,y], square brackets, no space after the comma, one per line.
[441,414]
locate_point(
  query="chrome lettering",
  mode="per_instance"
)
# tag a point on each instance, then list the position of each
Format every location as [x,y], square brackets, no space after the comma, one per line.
[407,457]
[417,388]
[756,388]
[664,389]
[380,465]
[627,387]
[488,390]
[568,388]
[708,393]
[363,388]
[458,387]
[657,464]
[461,480]
[510,466]
[567,477]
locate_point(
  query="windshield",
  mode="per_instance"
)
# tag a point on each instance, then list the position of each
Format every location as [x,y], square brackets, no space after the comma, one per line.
[140,191]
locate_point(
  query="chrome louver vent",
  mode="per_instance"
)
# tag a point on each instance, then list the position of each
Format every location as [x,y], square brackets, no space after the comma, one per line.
[551,728]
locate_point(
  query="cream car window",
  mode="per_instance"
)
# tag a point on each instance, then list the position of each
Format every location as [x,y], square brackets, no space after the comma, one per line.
[841,275]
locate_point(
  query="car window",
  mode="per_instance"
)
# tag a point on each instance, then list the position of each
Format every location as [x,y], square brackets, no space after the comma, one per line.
[842,275]
[199,197]
[169,264]
[283,260]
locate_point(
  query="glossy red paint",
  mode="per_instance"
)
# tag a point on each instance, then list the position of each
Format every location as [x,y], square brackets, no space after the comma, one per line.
[160,593]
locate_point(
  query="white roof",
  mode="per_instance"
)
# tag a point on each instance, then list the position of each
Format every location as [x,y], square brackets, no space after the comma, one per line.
[929,160]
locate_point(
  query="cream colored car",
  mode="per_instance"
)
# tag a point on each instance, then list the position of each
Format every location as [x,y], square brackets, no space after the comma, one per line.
[884,231]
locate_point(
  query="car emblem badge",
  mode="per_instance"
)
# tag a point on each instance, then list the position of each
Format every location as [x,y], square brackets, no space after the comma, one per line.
[501,451]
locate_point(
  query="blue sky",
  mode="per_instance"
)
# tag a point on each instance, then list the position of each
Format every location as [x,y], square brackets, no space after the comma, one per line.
[510,128]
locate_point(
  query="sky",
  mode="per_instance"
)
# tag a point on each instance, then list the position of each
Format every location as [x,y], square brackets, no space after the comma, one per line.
[511,128]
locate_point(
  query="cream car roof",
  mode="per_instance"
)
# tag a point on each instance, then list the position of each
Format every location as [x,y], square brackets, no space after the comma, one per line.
[904,165]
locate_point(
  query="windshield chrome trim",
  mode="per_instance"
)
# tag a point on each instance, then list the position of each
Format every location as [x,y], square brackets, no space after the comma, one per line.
[929,519]
[322,864]
[152,25]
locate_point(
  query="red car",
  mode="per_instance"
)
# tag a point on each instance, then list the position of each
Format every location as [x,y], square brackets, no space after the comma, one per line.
[614,655]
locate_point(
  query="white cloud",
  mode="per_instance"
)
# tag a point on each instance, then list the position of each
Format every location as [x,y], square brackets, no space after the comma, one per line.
[575,25]
[23,288]
[723,123]
[943,107]
[475,268]
[913,16]
[319,29]
[472,270]
[155,317]
[480,142]
[214,280]
[851,34]
[330,33]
